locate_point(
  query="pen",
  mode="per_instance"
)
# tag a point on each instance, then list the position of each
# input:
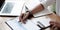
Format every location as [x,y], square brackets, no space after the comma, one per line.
[46,27]
[39,26]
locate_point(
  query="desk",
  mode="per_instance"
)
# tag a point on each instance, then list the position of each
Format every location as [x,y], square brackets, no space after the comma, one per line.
[3,26]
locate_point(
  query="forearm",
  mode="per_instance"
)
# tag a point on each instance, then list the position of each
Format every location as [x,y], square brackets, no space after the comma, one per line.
[38,8]
[42,6]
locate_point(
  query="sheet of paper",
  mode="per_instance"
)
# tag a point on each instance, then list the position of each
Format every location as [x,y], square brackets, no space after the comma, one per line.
[18,26]
[15,25]
[43,20]
[30,24]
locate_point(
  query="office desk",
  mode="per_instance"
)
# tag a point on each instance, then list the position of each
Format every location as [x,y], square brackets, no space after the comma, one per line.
[3,26]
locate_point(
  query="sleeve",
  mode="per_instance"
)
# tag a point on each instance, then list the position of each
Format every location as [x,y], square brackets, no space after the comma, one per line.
[47,3]
[45,11]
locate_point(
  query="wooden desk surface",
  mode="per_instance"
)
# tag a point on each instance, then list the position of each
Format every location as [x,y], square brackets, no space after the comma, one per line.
[3,26]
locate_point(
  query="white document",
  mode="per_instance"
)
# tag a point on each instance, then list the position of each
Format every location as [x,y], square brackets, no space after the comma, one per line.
[30,24]
[15,25]
[43,20]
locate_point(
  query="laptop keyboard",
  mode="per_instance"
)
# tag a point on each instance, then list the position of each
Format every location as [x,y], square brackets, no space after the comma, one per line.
[8,7]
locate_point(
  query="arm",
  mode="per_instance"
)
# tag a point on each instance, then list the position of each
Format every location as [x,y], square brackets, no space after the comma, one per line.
[38,8]
[42,6]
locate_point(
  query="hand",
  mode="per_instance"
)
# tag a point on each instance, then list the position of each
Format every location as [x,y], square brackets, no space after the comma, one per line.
[55,24]
[23,18]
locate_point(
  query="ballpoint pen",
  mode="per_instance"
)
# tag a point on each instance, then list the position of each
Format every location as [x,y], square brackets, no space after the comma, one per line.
[46,27]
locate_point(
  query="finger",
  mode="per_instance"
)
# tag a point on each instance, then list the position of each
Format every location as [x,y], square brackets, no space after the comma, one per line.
[57,24]
[21,17]
[51,22]
[26,16]
[23,21]
[53,26]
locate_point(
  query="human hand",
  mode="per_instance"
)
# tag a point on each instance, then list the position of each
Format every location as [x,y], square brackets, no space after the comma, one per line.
[23,18]
[55,24]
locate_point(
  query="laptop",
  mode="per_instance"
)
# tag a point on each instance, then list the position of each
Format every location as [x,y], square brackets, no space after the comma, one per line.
[1,3]
[11,8]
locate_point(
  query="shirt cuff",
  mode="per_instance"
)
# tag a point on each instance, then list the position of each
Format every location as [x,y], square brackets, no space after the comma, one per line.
[44,4]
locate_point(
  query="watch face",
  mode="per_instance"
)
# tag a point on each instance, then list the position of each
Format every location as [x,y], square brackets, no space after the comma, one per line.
[1,3]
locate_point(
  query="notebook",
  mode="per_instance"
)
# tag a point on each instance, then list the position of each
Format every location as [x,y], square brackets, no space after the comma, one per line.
[31,24]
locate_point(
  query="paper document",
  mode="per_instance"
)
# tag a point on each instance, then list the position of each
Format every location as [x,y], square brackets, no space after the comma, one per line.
[43,20]
[30,24]
[15,25]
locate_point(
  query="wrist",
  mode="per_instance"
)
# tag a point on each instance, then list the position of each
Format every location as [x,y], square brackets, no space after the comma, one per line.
[30,15]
